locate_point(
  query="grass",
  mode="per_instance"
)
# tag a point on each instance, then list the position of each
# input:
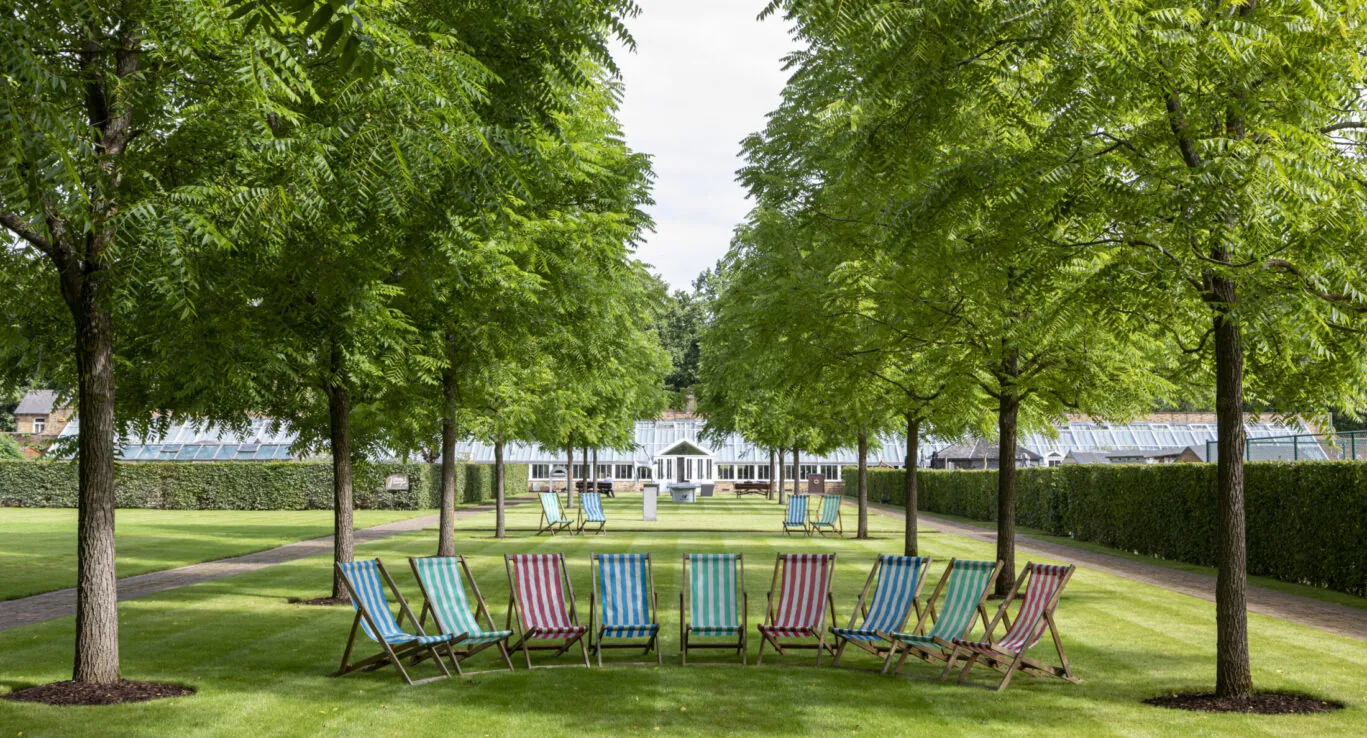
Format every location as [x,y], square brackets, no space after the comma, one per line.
[260,664]
[38,545]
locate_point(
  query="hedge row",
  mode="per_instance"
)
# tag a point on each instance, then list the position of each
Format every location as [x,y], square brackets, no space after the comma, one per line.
[284,485]
[1305,520]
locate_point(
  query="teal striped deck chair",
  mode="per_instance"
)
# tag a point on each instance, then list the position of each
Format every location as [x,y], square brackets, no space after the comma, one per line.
[713,603]
[899,580]
[623,604]
[960,594]
[829,517]
[591,511]
[364,584]
[552,519]
[442,581]
[797,515]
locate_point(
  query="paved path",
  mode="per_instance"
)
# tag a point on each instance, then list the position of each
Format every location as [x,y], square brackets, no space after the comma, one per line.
[1327,616]
[61,603]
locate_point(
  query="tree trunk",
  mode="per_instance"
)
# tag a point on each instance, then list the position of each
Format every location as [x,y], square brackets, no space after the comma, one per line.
[1233,675]
[593,473]
[1008,408]
[773,474]
[569,476]
[499,477]
[863,485]
[97,610]
[339,428]
[781,473]
[797,472]
[588,474]
[446,534]
[910,546]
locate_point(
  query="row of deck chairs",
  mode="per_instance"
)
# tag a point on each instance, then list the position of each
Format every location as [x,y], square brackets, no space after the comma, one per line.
[713,604]
[554,520]
[827,520]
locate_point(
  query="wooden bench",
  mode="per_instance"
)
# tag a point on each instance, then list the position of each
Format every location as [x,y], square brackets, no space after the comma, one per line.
[751,488]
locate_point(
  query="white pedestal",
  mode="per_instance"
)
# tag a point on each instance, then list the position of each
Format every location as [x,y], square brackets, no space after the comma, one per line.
[649,493]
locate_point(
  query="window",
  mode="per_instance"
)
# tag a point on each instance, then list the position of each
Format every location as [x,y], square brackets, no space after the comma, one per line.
[726,472]
[831,471]
[747,472]
[643,472]
[1055,462]
[763,472]
[709,469]
[808,469]
[624,472]
[580,470]
[541,471]
[604,470]
[40,424]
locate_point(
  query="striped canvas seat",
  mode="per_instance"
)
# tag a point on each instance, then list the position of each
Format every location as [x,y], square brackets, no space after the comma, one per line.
[365,582]
[591,511]
[713,603]
[829,516]
[542,604]
[552,518]
[968,582]
[1029,626]
[443,589]
[364,576]
[624,600]
[804,592]
[899,581]
[797,513]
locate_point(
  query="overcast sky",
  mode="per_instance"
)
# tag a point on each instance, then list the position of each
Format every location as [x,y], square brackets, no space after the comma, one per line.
[704,75]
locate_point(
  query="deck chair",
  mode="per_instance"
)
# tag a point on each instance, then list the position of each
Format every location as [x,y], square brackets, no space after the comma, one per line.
[803,582]
[713,587]
[797,515]
[960,595]
[552,519]
[1036,615]
[537,605]
[442,581]
[899,580]
[829,517]
[591,511]
[362,580]
[623,604]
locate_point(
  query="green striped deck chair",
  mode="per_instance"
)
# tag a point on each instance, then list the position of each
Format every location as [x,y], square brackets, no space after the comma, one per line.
[1036,615]
[829,517]
[591,511]
[797,515]
[552,519]
[623,604]
[363,582]
[442,581]
[713,603]
[960,595]
[899,580]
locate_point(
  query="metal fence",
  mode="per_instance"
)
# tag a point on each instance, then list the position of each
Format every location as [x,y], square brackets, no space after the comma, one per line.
[1347,446]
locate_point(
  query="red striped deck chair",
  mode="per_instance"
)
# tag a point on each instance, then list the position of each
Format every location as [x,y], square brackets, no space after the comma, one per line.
[365,583]
[803,582]
[960,595]
[1036,615]
[541,606]
[623,604]
[899,580]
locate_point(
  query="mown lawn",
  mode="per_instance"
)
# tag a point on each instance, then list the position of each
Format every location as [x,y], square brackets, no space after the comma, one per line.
[260,664]
[38,545]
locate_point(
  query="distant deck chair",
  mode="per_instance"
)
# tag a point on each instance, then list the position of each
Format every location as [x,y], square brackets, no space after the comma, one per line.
[713,603]
[797,515]
[442,581]
[541,605]
[552,519]
[591,511]
[1036,615]
[803,582]
[960,595]
[829,517]
[899,580]
[623,604]
[362,580]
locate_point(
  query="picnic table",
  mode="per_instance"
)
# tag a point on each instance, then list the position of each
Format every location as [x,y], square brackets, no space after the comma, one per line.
[751,488]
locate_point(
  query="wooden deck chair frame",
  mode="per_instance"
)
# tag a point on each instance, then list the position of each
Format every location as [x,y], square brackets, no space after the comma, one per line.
[547,524]
[459,655]
[943,648]
[742,644]
[838,527]
[819,632]
[1008,663]
[595,623]
[389,654]
[515,623]
[861,610]
[583,518]
[806,516]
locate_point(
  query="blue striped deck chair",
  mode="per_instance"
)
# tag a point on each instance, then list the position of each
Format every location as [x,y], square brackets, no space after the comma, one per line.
[713,603]
[828,519]
[797,514]
[442,581]
[623,603]
[362,580]
[899,580]
[552,519]
[591,511]
[961,597]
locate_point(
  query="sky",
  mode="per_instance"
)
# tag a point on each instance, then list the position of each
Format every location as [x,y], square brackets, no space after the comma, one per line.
[704,75]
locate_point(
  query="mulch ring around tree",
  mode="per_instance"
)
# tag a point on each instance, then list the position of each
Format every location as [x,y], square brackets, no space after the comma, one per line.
[1263,703]
[78,693]
[323,601]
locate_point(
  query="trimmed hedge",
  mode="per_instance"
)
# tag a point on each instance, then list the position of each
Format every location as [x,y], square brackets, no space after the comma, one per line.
[1305,520]
[479,481]
[241,485]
